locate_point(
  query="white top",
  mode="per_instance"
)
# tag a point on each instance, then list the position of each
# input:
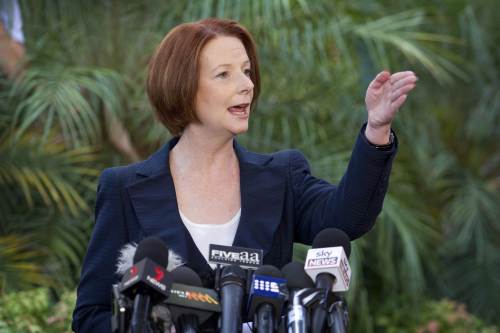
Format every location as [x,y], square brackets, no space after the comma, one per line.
[205,234]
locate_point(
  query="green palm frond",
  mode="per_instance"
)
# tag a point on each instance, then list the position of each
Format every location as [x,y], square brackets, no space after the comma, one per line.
[50,173]
[17,264]
[472,216]
[317,57]
[58,97]
[475,281]
[405,238]
[60,239]
[397,31]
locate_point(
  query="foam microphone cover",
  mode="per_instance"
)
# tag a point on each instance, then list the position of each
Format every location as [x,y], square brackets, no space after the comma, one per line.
[332,237]
[153,248]
[296,276]
[184,275]
[148,275]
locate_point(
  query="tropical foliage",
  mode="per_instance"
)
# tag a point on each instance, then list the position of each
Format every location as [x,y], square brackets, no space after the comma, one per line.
[35,311]
[80,106]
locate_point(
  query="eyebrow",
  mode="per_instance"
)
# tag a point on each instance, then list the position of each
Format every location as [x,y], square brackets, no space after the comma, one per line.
[227,65]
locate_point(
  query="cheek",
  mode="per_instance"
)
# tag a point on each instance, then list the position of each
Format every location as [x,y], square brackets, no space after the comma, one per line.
[211,96]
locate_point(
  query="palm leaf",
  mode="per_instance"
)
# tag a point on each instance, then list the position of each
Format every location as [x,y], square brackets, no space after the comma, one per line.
[17,267]
[55,98]
[50,172]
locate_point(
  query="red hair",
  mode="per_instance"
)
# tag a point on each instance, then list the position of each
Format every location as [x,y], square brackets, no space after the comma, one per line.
[174,69]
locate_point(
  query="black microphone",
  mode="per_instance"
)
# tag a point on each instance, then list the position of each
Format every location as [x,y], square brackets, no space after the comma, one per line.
[146,282]
[233,279]
[190,305]
[327,263]
[121,307]
[232,291]
[302,295]
[267,295]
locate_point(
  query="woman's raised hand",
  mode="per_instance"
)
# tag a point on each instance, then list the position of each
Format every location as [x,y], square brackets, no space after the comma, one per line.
[384,96]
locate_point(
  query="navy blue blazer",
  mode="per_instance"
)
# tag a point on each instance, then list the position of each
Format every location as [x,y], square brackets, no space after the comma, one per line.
[281,203]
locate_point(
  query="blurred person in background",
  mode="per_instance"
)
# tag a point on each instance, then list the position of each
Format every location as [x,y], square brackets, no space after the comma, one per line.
[11,38]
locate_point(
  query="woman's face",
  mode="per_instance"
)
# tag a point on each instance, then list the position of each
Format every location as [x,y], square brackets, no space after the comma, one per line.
[225,90]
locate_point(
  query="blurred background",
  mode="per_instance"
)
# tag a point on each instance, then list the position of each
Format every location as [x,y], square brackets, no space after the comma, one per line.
[73,102]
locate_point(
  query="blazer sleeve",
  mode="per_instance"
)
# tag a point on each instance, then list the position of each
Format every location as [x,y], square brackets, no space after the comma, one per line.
[353,205]
[93,305]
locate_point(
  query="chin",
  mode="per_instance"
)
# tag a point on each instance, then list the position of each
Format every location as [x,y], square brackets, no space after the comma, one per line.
[240,128]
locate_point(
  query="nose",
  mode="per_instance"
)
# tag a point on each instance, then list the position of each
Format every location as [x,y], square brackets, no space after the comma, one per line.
[245,84]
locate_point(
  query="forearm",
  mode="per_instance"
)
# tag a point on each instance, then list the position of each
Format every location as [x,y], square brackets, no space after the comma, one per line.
[360,194]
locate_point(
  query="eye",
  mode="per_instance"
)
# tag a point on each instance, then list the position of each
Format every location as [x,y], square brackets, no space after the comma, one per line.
[223,75]
[248,72]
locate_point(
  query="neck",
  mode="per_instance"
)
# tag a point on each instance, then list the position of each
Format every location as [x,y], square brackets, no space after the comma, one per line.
[202,150]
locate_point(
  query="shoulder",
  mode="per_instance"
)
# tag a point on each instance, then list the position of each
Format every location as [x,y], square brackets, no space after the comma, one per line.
[119,176]
[289,158]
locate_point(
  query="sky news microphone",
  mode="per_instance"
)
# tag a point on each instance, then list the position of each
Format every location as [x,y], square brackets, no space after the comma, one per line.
[302,296]
[268,293]
[146,282]
[190,305]
[327,264]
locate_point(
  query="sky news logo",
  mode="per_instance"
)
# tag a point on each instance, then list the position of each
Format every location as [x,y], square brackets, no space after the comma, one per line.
[321,262]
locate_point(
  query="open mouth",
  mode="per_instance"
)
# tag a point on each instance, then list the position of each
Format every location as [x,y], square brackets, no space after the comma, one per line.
[240,110]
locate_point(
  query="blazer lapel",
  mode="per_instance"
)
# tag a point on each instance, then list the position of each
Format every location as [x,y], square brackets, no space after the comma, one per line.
[262,189]
[155,204]
[262,195]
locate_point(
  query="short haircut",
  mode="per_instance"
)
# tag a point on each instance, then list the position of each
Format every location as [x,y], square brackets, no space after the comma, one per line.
[174,69]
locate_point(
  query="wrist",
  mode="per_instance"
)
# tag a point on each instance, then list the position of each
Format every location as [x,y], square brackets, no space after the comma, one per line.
[379,135]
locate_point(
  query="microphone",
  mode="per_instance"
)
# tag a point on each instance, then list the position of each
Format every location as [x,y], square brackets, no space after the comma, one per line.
[232,290]
[302,295]
[267,295]
[146,282]
[234,268]
[190,305]
[327,263]
[121,311]
[125,259]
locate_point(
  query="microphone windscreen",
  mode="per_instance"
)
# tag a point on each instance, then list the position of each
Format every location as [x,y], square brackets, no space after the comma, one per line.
[296,277]
[332,237]
[186,275]
[269,270]
[154,249]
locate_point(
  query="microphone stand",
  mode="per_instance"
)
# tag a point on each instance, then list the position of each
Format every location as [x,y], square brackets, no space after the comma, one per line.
[297,312]
[188,324]
[338,316]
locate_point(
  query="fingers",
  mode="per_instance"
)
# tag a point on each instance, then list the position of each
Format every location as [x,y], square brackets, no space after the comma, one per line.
[404,90]
[379,80]
[406,80]
[398,102]
[401,75]
[402,83]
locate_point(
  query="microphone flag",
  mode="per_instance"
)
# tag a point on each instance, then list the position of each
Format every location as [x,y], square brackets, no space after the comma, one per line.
[332,260]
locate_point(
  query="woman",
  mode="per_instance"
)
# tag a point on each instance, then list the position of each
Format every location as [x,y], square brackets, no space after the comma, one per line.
[202,187]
